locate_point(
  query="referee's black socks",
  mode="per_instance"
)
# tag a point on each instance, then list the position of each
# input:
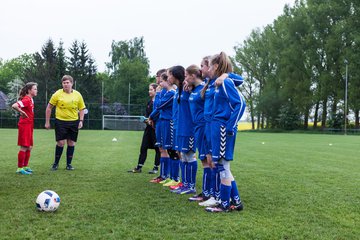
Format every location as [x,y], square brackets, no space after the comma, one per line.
[58,152]
[69,154]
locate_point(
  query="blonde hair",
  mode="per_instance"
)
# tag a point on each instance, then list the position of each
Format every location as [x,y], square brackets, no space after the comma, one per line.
[224,64]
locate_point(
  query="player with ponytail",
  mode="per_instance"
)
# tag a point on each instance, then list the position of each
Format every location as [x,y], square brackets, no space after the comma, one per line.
[228,108]
[25,106]
[184,132]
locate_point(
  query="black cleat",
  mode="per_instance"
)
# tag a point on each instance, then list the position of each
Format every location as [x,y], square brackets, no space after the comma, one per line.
[218,208]
[154,170]
[69,167]
[236,206]
[135,170]
[54,167]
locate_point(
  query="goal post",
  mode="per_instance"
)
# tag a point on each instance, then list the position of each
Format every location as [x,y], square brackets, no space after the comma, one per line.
[123,122]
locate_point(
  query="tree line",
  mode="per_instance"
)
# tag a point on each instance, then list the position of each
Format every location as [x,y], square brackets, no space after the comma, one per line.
[294,69]
[128,70]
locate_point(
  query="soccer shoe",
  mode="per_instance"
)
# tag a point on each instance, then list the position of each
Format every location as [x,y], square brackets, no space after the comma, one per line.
[154,170]
[28,169]
[180,184]
[236,206]
[211,202]
[135,170]
[171,183]
[22,171]
[179,189]
[54,167]
[217,208]
[156,180]
[166,180]
[198,198]
[188,191]
[69,167]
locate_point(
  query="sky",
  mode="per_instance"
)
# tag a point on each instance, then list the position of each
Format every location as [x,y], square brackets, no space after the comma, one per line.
[175,32]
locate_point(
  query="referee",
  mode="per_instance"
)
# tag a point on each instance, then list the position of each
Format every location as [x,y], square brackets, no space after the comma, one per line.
[69,117]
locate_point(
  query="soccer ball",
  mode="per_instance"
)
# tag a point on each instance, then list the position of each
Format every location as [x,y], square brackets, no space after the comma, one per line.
[48,201]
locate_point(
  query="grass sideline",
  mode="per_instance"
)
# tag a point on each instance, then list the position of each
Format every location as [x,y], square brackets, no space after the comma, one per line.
[294,186]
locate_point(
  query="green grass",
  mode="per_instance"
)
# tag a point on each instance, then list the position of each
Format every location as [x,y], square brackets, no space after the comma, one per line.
[294,186]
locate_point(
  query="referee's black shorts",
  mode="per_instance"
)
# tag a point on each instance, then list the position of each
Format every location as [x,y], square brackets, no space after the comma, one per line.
[66,130]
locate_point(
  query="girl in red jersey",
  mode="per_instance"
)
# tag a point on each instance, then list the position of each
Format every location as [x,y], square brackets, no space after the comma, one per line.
[25,106]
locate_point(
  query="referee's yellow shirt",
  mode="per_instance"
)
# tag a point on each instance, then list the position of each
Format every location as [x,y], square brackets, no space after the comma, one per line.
[67,104]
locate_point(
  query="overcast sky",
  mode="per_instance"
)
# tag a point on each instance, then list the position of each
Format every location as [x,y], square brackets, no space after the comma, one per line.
[175,32]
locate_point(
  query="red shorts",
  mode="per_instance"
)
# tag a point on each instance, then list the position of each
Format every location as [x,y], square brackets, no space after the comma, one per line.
[25,136]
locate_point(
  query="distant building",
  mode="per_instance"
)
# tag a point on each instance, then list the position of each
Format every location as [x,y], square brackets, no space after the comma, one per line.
[3,100]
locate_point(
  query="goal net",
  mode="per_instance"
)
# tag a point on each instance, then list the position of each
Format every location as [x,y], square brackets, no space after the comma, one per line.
[122,122]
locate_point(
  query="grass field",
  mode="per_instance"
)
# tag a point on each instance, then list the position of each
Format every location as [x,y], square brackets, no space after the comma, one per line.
[294,186]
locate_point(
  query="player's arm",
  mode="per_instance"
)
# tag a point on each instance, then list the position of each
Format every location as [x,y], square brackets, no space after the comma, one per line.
[236,103]
[47,115]
[81,117]
[17,108]
[237,79]
[82,108]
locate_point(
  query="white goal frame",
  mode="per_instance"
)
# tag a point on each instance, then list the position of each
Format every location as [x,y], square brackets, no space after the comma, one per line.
[123,122]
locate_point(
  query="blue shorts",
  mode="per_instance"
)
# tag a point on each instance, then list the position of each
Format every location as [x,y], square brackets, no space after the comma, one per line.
[174,140]
[222,144]
[186,144]
[207,138]
[199,141]
[166,141]
[158,133]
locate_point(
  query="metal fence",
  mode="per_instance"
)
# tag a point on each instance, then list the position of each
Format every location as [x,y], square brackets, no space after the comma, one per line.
[92,120]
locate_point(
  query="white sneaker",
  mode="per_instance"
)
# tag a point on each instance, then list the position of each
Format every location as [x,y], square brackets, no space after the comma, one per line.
[211,202]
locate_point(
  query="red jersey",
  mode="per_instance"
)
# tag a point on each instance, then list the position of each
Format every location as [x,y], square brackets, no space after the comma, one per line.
[27,105]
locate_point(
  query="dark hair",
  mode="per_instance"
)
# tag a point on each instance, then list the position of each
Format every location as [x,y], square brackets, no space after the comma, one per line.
[206,60]
[178,72]
[25,90]
[159,72]
[164,76]
[153,85]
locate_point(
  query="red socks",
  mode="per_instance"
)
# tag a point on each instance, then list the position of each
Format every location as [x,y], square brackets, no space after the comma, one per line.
[27,157]
[21,159]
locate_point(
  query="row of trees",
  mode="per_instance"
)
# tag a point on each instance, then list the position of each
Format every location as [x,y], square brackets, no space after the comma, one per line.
[296,66]
[127,71]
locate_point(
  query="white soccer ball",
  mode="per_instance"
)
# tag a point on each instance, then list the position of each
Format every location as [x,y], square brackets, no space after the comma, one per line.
[48,201]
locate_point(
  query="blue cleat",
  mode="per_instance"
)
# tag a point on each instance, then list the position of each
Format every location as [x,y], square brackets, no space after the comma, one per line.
[22,171]
[28,169]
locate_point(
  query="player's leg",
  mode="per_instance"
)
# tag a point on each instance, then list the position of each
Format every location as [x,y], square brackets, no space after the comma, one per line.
[166,144]
[174,169]
[190,172]
[72,135]
[27,159]
[60,137]
[143,153]
[24,137]
[21,160]
[70,154]
[201,148]
[152,141]
[156,161]
[223,167]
